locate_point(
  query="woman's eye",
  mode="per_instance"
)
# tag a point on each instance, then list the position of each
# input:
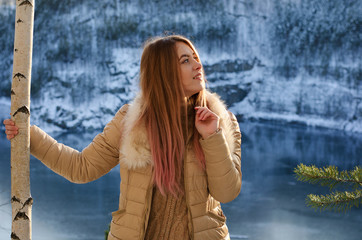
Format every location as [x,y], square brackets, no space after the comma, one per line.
[185,61]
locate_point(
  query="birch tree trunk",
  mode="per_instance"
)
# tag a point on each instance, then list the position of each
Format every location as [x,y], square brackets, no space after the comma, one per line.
[21,201]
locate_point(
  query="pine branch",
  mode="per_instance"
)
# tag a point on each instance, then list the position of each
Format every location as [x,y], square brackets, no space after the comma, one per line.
[337,201]
[106,232]
[329,176]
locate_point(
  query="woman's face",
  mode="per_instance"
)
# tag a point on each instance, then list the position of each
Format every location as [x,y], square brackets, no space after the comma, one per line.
[191,70]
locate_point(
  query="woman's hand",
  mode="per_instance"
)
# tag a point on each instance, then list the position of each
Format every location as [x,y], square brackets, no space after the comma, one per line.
[206,121]
[11,130]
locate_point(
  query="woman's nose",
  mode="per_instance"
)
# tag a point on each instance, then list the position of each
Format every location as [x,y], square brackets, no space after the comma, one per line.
[197,65]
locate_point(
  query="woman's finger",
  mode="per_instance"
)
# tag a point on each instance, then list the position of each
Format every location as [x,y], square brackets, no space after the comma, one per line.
[200,110]
[11,128]
[206,116]
[203,115]
[9,137]
[8,122]
[11,132]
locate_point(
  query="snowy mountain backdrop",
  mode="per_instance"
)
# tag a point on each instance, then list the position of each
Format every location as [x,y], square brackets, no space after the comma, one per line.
[283,60]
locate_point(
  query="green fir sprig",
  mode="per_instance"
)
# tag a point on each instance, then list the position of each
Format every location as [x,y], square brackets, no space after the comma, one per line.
[330,176]
[338,201]
[106,232]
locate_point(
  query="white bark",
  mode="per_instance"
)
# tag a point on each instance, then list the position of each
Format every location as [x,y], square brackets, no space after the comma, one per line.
[21,200]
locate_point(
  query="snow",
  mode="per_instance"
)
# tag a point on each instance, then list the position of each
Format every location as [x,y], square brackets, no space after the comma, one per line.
[255,59]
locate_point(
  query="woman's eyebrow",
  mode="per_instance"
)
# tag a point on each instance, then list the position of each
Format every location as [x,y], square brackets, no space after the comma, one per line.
[184,55]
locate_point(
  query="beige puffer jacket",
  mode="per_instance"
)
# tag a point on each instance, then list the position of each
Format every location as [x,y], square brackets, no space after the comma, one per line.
[120,143]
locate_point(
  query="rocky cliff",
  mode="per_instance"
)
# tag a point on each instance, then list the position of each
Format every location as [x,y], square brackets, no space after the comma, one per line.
[293,61]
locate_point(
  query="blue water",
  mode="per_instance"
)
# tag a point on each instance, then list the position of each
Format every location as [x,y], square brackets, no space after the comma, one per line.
[271,204]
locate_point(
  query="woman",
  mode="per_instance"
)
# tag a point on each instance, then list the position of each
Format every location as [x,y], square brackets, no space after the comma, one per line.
[177,146]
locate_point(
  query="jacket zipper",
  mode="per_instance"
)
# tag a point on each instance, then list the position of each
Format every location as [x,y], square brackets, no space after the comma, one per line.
[149,195]
[186,196]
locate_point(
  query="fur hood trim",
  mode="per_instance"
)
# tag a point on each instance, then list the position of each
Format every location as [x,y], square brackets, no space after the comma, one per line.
[135,146]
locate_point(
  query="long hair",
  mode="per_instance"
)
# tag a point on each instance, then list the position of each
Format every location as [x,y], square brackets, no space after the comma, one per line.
[163,110]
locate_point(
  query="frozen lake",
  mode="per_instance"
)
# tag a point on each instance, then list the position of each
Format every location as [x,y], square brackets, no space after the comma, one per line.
[271,204]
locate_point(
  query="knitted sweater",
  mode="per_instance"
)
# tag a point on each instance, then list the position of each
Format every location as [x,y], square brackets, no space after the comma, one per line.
[168,218]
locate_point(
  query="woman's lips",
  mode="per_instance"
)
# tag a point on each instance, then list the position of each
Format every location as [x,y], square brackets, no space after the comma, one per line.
[197,76]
